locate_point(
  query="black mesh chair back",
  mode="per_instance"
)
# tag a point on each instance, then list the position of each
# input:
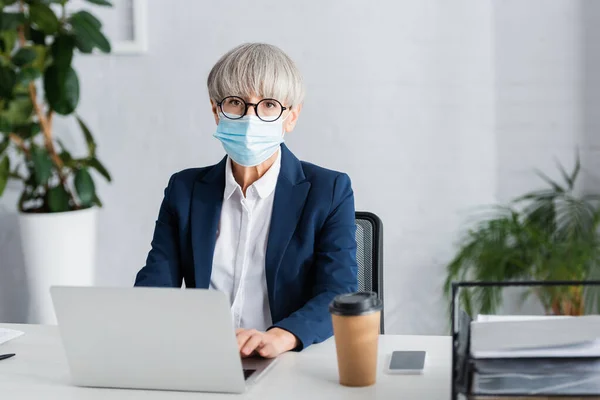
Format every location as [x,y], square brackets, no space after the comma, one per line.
[369,254]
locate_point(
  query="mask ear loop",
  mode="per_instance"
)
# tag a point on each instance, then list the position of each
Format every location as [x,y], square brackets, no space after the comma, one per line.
[283,120]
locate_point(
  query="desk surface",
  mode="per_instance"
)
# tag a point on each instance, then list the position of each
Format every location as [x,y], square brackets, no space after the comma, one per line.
[40,370]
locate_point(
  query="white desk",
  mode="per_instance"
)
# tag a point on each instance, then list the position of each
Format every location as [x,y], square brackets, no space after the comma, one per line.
[40,371]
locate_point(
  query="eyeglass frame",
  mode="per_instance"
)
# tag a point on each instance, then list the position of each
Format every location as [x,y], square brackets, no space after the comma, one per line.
[254,105]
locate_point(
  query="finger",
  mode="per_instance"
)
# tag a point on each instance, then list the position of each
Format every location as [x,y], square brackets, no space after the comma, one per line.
[252,343]
[248,332]
[243,337]
[268,351]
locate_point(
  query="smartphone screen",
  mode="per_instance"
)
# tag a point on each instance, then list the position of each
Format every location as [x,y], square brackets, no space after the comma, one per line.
[407,361]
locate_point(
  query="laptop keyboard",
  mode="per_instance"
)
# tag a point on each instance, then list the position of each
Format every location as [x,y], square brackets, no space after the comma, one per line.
[248,373]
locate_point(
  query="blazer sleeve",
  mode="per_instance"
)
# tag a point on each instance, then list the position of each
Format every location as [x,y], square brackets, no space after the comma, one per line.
[335,267]
[162,267]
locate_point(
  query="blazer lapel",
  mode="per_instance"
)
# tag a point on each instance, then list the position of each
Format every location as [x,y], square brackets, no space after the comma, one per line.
[290,196]
[207,200]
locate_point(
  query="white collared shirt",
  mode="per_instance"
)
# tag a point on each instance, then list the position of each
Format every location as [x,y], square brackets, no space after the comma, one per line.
[238,268]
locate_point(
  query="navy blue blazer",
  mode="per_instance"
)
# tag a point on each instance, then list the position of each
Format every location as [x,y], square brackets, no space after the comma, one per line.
[311,249]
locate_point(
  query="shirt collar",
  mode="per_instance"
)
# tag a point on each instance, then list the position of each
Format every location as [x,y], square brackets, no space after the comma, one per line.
[264,186]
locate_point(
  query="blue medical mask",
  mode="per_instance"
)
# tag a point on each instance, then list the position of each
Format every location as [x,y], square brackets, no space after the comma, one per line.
[249,141]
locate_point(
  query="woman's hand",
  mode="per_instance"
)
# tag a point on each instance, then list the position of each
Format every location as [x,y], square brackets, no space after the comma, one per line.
[268,344]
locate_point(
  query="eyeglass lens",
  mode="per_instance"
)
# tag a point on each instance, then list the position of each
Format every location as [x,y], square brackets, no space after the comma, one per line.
[267,109]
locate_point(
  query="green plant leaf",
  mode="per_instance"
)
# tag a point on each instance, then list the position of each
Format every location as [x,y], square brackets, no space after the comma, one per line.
[576,170]
[97,165]
[28,130]
[18,111]
[4,143]
[8,78]
[62,51]
[97,201]
[89,138]
[20,92]
[64,155]
[4,172]
[84,184]
[61,144]
[83,44]
[63,97]
[88,34]
[36,36]
[5,3]
[42,165]
[40,61]
[550,182]
[58,199]
[546,194]
[43,16]
[90,18]
[66,158]
[10,21]
[566,177]
[101,2]
[8,39]
[24,56]
[27,75]
[5,125]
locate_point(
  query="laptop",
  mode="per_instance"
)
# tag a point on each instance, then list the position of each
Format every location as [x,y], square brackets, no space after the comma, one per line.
[152,338]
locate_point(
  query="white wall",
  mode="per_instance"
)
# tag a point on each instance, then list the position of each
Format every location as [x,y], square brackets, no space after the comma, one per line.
[539,58]
[482,94]
[590,134]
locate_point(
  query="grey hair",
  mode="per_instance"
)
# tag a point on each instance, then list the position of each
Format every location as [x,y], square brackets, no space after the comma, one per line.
[256,69]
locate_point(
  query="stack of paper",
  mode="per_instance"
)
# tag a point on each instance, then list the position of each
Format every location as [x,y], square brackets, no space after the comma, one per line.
[536,355]
[8,334]
[536,337]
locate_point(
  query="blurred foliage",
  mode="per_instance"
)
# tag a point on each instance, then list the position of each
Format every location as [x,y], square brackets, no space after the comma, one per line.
[545,235]
[38,39]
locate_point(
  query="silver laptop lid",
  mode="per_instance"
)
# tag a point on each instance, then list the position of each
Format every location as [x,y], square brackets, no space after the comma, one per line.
[149,338]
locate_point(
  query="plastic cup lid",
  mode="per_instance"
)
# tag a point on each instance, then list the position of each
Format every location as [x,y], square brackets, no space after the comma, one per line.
[357,303]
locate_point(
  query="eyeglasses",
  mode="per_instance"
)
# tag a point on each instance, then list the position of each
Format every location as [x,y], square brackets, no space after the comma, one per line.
[267,110]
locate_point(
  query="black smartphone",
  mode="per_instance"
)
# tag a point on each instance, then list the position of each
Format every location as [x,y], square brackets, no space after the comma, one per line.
[407,362]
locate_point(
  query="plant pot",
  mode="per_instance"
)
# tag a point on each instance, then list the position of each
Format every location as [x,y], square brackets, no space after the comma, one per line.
[58,249]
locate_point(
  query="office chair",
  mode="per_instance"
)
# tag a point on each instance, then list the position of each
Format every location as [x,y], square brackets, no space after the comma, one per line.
[369,254]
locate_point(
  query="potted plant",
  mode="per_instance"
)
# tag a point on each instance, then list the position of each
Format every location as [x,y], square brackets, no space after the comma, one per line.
[57,206]
[545,235]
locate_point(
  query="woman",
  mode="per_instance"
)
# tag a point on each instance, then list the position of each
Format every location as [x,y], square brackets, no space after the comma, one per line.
[275,234]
